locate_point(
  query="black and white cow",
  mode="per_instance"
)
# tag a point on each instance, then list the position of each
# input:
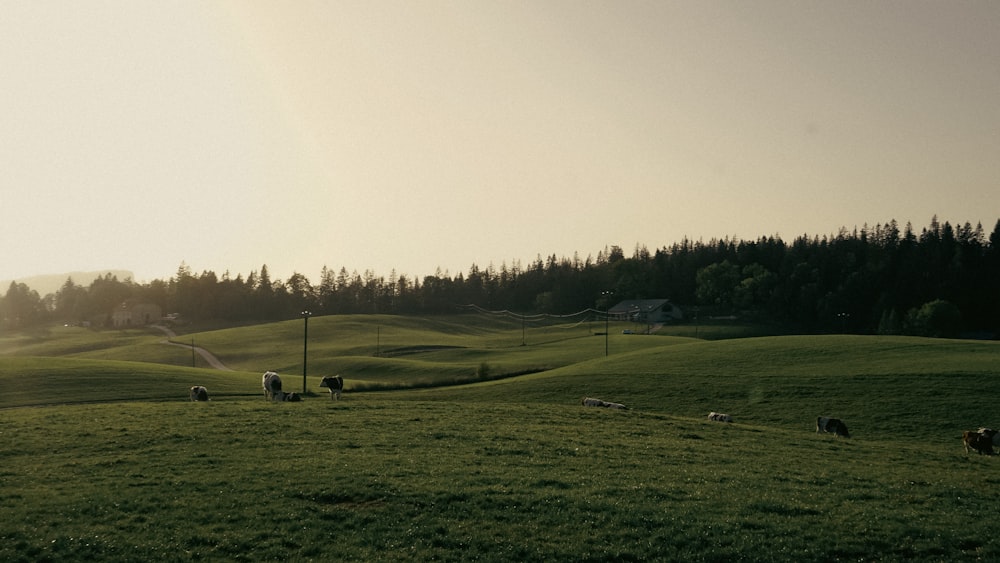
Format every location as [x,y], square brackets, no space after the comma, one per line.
[993,435]
[335,384]
[719,417]
[272,386]
[592,402]
[832,425]
[292,397]
[199,393]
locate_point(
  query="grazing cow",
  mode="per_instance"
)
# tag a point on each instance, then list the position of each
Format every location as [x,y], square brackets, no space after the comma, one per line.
[982,443]
[292,397]
[335,384]
[591,402]
[834,425]
[719,417]
[199,393]
[993,435]
[272,386]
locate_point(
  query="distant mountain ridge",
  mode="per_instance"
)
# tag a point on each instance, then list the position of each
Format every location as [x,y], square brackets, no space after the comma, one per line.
[51,283]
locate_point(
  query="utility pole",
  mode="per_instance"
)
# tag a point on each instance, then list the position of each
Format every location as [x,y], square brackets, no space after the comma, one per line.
[305,348]
[607,313]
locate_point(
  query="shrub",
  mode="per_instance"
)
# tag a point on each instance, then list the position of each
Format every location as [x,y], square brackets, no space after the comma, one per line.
[938,318]
[483,371]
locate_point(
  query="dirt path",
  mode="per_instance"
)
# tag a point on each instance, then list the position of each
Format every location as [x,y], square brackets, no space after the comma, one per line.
[212,360]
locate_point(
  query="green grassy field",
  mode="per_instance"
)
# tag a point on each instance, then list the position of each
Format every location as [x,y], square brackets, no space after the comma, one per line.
[104,458]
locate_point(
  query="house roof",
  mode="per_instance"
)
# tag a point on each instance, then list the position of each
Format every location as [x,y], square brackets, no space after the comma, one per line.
[637,305]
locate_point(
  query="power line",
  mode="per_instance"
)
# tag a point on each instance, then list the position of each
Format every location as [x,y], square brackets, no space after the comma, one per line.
[537,317]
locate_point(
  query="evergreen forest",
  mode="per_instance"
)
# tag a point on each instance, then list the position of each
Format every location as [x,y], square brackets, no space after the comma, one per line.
[941,281]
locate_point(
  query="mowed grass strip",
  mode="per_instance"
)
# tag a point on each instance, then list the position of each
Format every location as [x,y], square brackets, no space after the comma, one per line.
[392,477]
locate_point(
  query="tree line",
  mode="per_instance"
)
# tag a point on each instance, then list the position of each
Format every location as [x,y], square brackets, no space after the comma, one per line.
[942,281]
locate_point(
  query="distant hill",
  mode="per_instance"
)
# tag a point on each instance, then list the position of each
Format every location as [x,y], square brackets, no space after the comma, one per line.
[50,283]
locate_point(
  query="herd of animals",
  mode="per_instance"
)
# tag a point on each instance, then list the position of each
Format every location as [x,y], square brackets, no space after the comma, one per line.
[271,382]
[981,441]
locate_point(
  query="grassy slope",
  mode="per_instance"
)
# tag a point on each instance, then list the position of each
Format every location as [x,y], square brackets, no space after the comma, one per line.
[376,348]
[876,383]
[139,345]
[515,469]
[368,350]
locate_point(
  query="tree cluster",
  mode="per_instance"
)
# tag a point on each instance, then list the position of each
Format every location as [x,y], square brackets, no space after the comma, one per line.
[943,281]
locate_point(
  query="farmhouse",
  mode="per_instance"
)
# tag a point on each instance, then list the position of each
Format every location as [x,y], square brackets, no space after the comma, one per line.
[132,314]
[647,311]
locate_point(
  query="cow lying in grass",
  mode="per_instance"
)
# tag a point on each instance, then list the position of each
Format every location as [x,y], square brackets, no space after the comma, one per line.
[592,402]
[335,384]
[832,425]
[199,393]
[272,386]
[719,417]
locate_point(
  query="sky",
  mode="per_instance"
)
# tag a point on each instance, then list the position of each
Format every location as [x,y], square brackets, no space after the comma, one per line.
[410,138]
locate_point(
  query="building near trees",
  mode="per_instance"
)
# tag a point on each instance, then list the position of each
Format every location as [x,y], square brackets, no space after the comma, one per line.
[648,311]
[136,314]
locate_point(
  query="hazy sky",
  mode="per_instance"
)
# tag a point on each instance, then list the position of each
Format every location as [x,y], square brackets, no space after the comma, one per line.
[412,135]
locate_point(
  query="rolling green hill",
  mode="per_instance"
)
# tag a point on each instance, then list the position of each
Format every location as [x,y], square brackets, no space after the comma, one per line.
[111,461]
[877,383]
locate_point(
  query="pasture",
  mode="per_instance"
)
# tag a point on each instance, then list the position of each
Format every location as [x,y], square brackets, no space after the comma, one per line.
[106,459]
